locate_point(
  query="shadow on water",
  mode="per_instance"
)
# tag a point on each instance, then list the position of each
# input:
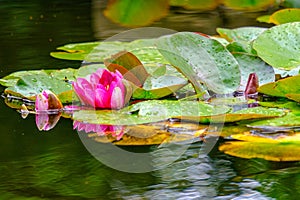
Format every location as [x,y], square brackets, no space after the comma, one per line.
[56,165]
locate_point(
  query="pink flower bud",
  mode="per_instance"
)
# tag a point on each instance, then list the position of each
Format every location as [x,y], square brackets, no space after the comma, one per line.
[48,110]
[47,101]
[252,84]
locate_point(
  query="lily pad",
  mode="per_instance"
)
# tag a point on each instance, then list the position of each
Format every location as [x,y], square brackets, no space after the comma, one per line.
[248,4]
[143,49]
[30,85]
[140,13]
[276,151]
[283,87]
[247,114]
[155,88]
[62,74]
[252,64]
[201,58]
[195,4]
[148,112]
[279,46]
[241,39]
[295,97]
[282,148]
[243,34]
[291,119]
[264,18]
[286,16]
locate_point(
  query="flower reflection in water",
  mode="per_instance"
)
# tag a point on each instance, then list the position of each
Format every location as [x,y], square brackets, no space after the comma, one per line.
[101,130]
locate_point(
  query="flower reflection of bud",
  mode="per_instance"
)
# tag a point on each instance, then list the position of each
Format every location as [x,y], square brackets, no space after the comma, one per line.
[48,110]
[102,130]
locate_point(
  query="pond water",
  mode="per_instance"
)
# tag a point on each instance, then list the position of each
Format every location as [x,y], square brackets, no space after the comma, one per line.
[56,164]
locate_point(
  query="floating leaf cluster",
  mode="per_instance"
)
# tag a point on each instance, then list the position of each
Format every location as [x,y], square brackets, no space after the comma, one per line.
[185,77]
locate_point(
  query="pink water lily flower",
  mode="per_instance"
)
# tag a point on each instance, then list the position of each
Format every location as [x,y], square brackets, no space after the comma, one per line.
[102,89]
[101,130]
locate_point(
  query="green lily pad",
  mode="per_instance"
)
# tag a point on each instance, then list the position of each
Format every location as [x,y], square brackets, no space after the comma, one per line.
[192,54]
[283,87]
[243,34]
[78,51]
[291,119]
[143,49]
[62,74]
[30,85]
[140,13]
[287,104]
[280,46]
[241,39]
[248,4]
[264,18]
[282,16]
[285,16]
[155,88]
[148,112]
[252,64]
[247,114]
[195,4]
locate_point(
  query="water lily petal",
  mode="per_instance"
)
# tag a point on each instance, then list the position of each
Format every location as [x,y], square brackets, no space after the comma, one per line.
[102,98]
[41,102]
[117,98]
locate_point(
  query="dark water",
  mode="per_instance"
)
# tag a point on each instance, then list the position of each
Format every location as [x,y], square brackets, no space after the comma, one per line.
[56,165]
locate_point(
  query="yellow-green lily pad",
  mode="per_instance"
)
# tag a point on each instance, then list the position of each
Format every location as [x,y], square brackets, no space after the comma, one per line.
[282,88]
[282,148]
